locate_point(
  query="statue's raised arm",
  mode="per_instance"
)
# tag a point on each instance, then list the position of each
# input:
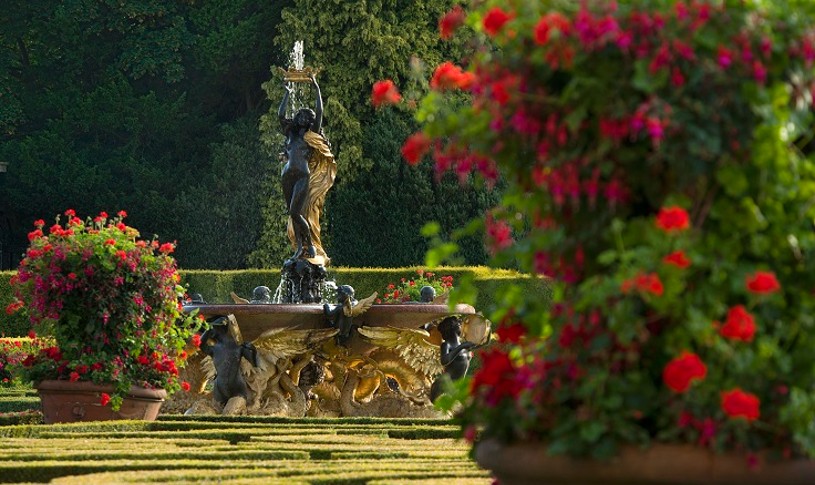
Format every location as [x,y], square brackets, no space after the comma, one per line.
[318,107]
[281,111]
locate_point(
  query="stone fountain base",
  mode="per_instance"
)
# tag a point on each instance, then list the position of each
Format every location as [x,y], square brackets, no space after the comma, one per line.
[385,370]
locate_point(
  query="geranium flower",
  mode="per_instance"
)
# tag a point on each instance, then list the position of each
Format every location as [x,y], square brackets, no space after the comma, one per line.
[104,399]
[450,76]
[494,21]
[384,92]
[415,147]
[682,371]
[762,283]
[673,219]
[739,325]
[678,259]
[450,22]
[739,404]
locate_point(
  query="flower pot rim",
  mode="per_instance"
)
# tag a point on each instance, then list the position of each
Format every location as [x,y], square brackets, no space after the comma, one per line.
[659,463]
[87,386]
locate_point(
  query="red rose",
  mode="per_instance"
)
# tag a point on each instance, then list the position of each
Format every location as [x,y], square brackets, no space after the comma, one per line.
[384,92]
[739,404]
[678,259]
[679,372]
[739,325]
[104,399]
[495,20]
[450,22]
[415,147]
[673,219]
[185,386]
[762,283]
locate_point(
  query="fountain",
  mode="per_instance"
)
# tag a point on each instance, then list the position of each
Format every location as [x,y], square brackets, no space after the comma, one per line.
[299,354]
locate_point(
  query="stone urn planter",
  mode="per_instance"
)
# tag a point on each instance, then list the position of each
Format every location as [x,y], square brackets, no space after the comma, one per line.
[65,402]
[529,463]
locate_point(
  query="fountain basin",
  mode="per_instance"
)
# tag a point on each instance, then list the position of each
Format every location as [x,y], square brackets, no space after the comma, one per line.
[256,319]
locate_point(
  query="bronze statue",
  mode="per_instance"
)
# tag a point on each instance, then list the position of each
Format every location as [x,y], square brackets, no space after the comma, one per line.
[342,316]
[307,175]
[455,356]
[427,294]
[221,343]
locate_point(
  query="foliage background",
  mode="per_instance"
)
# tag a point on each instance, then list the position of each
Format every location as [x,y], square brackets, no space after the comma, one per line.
[155,107]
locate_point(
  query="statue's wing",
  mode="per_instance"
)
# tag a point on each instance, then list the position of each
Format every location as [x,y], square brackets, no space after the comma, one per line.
[208,366]
[286,343]
[363,305]
[237,299]
[442,299]
[410,344]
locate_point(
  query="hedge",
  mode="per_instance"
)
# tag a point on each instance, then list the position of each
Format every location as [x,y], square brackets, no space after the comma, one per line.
[215,286]
[270,450]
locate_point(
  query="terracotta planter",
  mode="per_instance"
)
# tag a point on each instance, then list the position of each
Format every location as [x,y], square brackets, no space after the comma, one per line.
[66,402]
[529,463]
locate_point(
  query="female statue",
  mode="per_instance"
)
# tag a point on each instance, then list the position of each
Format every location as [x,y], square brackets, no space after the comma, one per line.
[308,174]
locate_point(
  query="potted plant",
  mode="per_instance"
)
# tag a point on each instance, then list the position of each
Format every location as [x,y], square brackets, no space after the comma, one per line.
[658,159]
[104,305]
[409,289]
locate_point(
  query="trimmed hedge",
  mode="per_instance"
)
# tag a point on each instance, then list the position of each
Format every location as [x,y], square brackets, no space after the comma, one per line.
[215,286]
[269,450]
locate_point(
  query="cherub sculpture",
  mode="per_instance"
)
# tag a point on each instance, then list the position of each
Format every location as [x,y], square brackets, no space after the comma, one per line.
[342,315]
[260,375]
[223,344]
[454,354]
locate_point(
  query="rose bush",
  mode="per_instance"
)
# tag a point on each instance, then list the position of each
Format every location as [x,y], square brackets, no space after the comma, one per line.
[658,162]
[104,306]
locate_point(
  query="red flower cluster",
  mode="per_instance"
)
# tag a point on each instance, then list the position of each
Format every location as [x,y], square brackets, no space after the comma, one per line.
[415,147]
[550,23]
[739,325]
[762,283]
[450,76]
[385,92]
[680,372]
[495,378]
[673,219]
[739,404]
[678,259]
[450,22]
[511,333]
[104,399]
[494,21]
[644,283]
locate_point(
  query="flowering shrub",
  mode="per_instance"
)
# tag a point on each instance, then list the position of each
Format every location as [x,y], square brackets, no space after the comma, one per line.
[12,353]
[658,163]
[409,289]
[106,303]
